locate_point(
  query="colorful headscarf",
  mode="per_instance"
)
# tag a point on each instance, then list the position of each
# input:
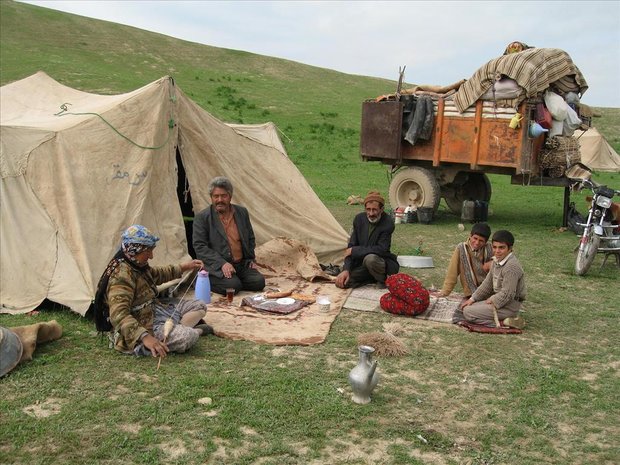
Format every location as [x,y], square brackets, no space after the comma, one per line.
[138,234]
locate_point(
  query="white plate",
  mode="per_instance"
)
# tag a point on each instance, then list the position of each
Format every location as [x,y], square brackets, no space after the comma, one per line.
[285,301]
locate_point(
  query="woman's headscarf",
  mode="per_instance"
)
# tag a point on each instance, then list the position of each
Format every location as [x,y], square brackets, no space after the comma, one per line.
[135,240]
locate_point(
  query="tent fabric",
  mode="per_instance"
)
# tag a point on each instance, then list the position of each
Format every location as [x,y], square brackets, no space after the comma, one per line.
[71,183]
[534,70]
[596,153]
[266,134]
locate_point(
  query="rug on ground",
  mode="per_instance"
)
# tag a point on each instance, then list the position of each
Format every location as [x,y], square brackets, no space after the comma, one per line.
[287,265]
[441,309]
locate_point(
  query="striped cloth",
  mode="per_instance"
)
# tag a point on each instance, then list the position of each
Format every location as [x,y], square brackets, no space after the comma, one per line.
[534,69]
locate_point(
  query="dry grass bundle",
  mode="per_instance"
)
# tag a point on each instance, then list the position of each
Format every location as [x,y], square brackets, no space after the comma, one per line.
[384,343]
[355,200]
[393,327]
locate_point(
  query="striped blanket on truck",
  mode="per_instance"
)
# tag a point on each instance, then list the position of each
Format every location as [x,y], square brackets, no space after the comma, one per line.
[534,70]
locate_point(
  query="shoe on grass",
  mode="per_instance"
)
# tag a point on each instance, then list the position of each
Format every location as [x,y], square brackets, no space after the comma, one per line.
[514,322]
[205,329]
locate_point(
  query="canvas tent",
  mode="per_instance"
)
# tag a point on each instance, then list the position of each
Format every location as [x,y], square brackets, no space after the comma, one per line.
[596,153]
[266,133]
[74,179]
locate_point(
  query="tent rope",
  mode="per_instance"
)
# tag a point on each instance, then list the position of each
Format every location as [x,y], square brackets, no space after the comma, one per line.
[64,110]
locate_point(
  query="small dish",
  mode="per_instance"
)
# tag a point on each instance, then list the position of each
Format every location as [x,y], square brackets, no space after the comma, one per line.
[285,301]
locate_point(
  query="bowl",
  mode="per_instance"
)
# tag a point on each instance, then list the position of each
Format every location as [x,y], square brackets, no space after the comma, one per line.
[415,261]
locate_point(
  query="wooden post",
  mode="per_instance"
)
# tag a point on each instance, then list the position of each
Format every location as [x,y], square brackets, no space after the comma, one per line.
[438,132]
[475,149]
[566,204]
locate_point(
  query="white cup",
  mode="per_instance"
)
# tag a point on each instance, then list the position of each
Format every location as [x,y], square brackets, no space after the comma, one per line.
[323,302]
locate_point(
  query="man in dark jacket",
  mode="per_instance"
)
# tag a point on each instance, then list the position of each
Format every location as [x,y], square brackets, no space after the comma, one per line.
[368,258]
[224,240]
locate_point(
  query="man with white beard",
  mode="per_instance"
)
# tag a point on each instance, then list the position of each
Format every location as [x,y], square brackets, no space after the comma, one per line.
[367,258]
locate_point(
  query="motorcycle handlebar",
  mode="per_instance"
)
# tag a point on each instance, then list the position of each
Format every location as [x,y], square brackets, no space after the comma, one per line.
[592,185]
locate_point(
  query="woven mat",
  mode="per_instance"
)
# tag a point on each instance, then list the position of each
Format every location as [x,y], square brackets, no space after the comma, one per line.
[366,298]
[286,265]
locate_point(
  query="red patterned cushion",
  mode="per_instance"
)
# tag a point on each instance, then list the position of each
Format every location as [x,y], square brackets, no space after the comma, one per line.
[407,296]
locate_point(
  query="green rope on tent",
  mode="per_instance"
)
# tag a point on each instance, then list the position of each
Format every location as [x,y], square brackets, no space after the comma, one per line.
[64,111]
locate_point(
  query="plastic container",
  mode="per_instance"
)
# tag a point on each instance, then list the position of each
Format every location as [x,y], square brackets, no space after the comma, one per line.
[415,261]
[399,215]
[425,215]
[467,212]
[536,130]
[410,216]
[203,287]
[481,211]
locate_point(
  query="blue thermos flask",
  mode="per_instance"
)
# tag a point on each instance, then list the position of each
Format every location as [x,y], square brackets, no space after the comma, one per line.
[203,287]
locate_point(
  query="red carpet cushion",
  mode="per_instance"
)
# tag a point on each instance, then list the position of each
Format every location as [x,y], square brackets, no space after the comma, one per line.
[407,296]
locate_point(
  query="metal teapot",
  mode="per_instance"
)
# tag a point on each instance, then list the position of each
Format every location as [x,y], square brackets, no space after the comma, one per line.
[364,377]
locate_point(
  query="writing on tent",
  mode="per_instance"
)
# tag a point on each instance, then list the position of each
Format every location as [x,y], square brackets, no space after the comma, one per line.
[133,179]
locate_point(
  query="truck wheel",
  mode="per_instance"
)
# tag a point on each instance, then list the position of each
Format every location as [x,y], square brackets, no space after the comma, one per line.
[467,186]
[416,187]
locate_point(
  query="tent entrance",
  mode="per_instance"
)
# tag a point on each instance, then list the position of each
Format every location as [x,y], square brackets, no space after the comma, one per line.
[185,202]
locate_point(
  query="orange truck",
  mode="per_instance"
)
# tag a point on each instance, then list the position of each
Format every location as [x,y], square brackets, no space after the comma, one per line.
[467,133]
[463,149]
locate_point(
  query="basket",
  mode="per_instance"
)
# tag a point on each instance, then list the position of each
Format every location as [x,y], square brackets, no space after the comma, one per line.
[559,153]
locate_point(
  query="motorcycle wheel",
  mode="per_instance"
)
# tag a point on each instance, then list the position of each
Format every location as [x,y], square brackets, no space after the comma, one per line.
[585,255]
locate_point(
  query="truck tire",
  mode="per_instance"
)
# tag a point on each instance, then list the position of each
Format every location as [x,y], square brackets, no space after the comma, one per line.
[467,186]
[416,187]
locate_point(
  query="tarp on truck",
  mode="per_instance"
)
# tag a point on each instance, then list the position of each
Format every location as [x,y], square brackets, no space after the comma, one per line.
[535,70]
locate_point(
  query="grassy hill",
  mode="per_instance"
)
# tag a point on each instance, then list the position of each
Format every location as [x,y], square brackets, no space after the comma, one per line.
[317,109]
[546,396]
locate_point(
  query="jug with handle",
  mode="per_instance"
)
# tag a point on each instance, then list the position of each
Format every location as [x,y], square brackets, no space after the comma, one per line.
[364,377]
[203,287]
[515,122]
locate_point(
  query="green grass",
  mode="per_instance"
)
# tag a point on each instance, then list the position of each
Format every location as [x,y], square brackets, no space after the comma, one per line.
[549,395]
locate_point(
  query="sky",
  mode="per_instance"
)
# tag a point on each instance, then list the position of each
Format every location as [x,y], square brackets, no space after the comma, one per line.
[439,42]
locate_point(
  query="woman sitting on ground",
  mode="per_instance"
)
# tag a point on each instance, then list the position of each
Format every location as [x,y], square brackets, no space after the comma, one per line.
[128,287]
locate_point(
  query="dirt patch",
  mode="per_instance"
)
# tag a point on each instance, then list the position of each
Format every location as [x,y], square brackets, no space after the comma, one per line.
[358,450]
[173,449]
[142,377]
[44,409]
[119,391]
[248,431]
[225,452]
[279,351]
[131,428]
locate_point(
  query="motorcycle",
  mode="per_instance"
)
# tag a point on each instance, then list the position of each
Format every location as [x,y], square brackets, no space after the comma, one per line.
[599,235]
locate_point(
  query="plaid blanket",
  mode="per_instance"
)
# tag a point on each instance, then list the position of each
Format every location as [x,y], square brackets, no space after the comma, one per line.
[440,309]
[534,69]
